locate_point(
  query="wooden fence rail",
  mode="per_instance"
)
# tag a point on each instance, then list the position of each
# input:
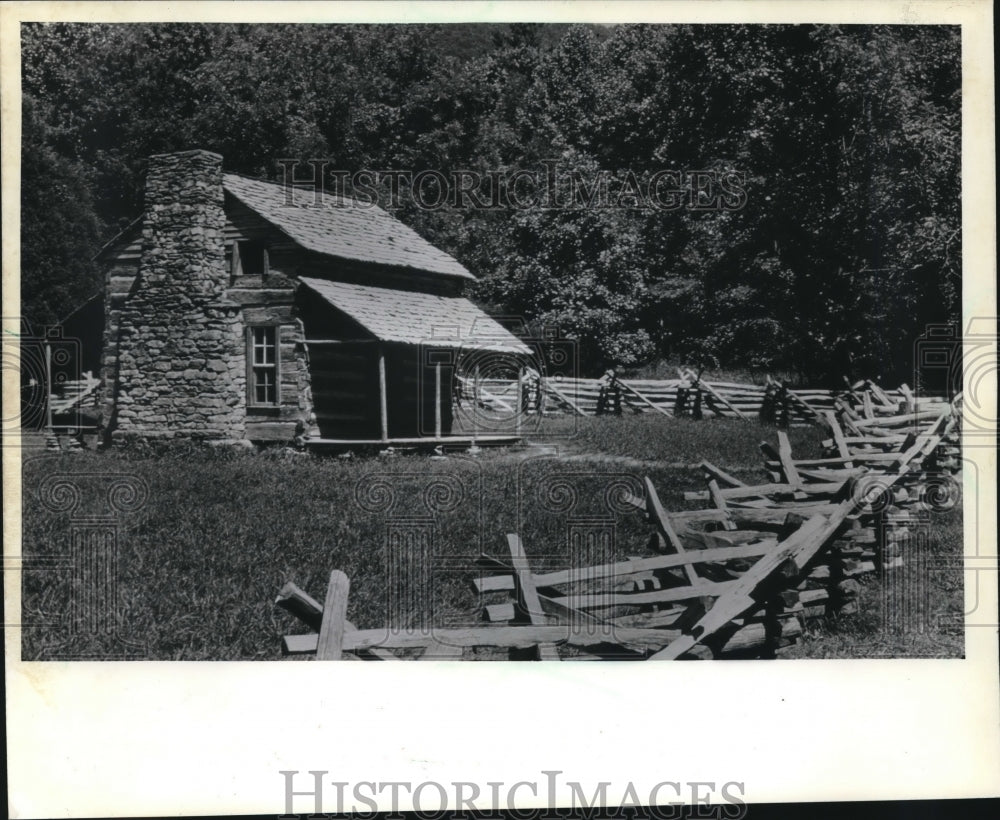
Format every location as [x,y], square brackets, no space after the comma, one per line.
[689,394]
[739,578]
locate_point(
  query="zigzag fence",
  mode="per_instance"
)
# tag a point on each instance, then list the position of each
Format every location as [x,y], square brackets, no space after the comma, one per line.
[740,577]
[773,402]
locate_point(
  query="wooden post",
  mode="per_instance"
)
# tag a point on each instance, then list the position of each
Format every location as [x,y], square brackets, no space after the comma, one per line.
[437,401]
[383,401]
[527,596]
[720,502]
[909,405]
[302,605]
[522,401]
[766,412]
[711,390]
[880,542]
[331,633]
[838,437]
[475,404]
[48,387]
[809,408]
[720,475]
[661,522]
[787,462]
[884,399]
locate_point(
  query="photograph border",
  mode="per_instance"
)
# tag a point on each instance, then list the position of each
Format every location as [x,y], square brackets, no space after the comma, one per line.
[131,739]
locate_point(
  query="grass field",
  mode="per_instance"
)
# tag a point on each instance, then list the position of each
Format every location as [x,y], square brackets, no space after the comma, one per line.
[200,563]
[668,370]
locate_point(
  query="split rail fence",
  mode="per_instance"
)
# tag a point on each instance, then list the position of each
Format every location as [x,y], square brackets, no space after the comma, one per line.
[738,578]
[689,395]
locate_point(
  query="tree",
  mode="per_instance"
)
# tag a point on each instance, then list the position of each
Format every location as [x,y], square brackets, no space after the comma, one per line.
[59,231]
[846,139]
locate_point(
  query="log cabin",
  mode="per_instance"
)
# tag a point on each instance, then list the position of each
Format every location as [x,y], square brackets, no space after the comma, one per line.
[240,309]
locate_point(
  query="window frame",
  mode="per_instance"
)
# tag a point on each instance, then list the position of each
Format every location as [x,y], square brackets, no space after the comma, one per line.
[253,366]
[241,248]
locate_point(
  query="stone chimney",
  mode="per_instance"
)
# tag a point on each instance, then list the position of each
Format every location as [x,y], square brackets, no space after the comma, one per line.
[181,351]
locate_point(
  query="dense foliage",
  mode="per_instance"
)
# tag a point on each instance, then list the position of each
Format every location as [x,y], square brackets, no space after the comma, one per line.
[844,140]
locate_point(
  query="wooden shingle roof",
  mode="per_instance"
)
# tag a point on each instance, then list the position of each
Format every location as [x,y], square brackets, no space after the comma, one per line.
[342,227]
[417,318]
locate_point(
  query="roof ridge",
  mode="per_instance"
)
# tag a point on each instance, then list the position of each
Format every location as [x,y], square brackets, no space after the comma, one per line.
[310,186]
[343,227]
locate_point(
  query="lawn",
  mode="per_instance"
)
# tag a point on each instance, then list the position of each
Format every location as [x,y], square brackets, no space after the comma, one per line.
[201,560]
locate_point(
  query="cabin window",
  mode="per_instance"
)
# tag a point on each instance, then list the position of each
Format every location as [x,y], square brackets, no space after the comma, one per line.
[263,375]
[250,259]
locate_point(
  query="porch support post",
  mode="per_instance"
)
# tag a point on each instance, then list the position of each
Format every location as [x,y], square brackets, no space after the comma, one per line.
[48,387]
[475,404]
[522,402]
[437,401]
[383,401]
